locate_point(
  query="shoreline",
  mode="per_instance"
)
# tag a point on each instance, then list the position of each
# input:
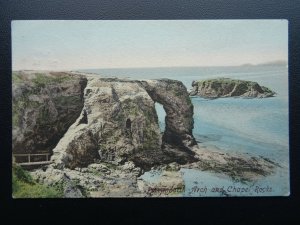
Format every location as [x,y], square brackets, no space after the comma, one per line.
[82,171]
[103,180]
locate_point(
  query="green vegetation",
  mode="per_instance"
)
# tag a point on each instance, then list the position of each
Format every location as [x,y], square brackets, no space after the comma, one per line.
[224,80]
[227,87]
[227,81]
[16,78]
[23,186]
[42,80]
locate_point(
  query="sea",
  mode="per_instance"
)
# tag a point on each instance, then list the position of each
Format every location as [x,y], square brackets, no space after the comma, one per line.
[256,127]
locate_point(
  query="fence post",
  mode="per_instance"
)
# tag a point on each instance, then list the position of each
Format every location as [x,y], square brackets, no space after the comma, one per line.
[29,157]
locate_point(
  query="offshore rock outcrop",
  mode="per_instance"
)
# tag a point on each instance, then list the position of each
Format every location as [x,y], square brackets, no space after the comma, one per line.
[45,105]
[225,87]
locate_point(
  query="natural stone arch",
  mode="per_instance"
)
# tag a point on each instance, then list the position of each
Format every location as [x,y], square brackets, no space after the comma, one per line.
[175,99]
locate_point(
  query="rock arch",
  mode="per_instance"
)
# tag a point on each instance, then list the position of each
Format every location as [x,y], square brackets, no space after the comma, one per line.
[175,99]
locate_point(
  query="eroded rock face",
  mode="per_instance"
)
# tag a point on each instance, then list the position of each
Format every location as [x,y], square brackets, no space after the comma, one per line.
[87,119]
[225,87]
[121,124]
[45,105]
[173,96]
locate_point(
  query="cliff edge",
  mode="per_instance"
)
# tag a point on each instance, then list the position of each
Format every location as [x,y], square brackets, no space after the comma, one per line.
[44,106]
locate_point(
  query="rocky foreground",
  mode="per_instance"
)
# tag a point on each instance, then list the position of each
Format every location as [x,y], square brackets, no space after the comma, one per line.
[101,179]
[103,134]
[226,87]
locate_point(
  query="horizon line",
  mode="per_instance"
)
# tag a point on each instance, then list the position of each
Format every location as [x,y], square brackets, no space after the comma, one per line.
[275,62]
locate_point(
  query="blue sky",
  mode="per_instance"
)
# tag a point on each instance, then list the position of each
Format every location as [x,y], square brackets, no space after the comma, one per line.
[71,45]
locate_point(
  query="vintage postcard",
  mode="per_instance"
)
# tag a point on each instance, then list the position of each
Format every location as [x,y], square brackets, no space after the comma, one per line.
[150,108]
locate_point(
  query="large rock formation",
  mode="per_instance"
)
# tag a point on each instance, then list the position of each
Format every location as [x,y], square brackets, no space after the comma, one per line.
[118,123]
[179,110]
[104,134]
[111,120]
[44,106]
[225,87]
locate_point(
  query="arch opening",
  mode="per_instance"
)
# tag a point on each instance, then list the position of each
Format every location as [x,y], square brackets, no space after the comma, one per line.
[161,113]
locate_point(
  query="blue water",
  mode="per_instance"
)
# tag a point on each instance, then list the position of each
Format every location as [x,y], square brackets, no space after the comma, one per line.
[161,116]
[257,127]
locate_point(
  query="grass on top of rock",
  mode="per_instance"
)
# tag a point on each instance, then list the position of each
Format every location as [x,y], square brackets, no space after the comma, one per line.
[16,78]
[225,80]
[23,186]
[232,82]
[41,80]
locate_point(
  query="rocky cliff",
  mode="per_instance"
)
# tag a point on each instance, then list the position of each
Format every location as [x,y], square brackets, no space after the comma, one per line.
[84,119]
[45,105]
[225,87]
